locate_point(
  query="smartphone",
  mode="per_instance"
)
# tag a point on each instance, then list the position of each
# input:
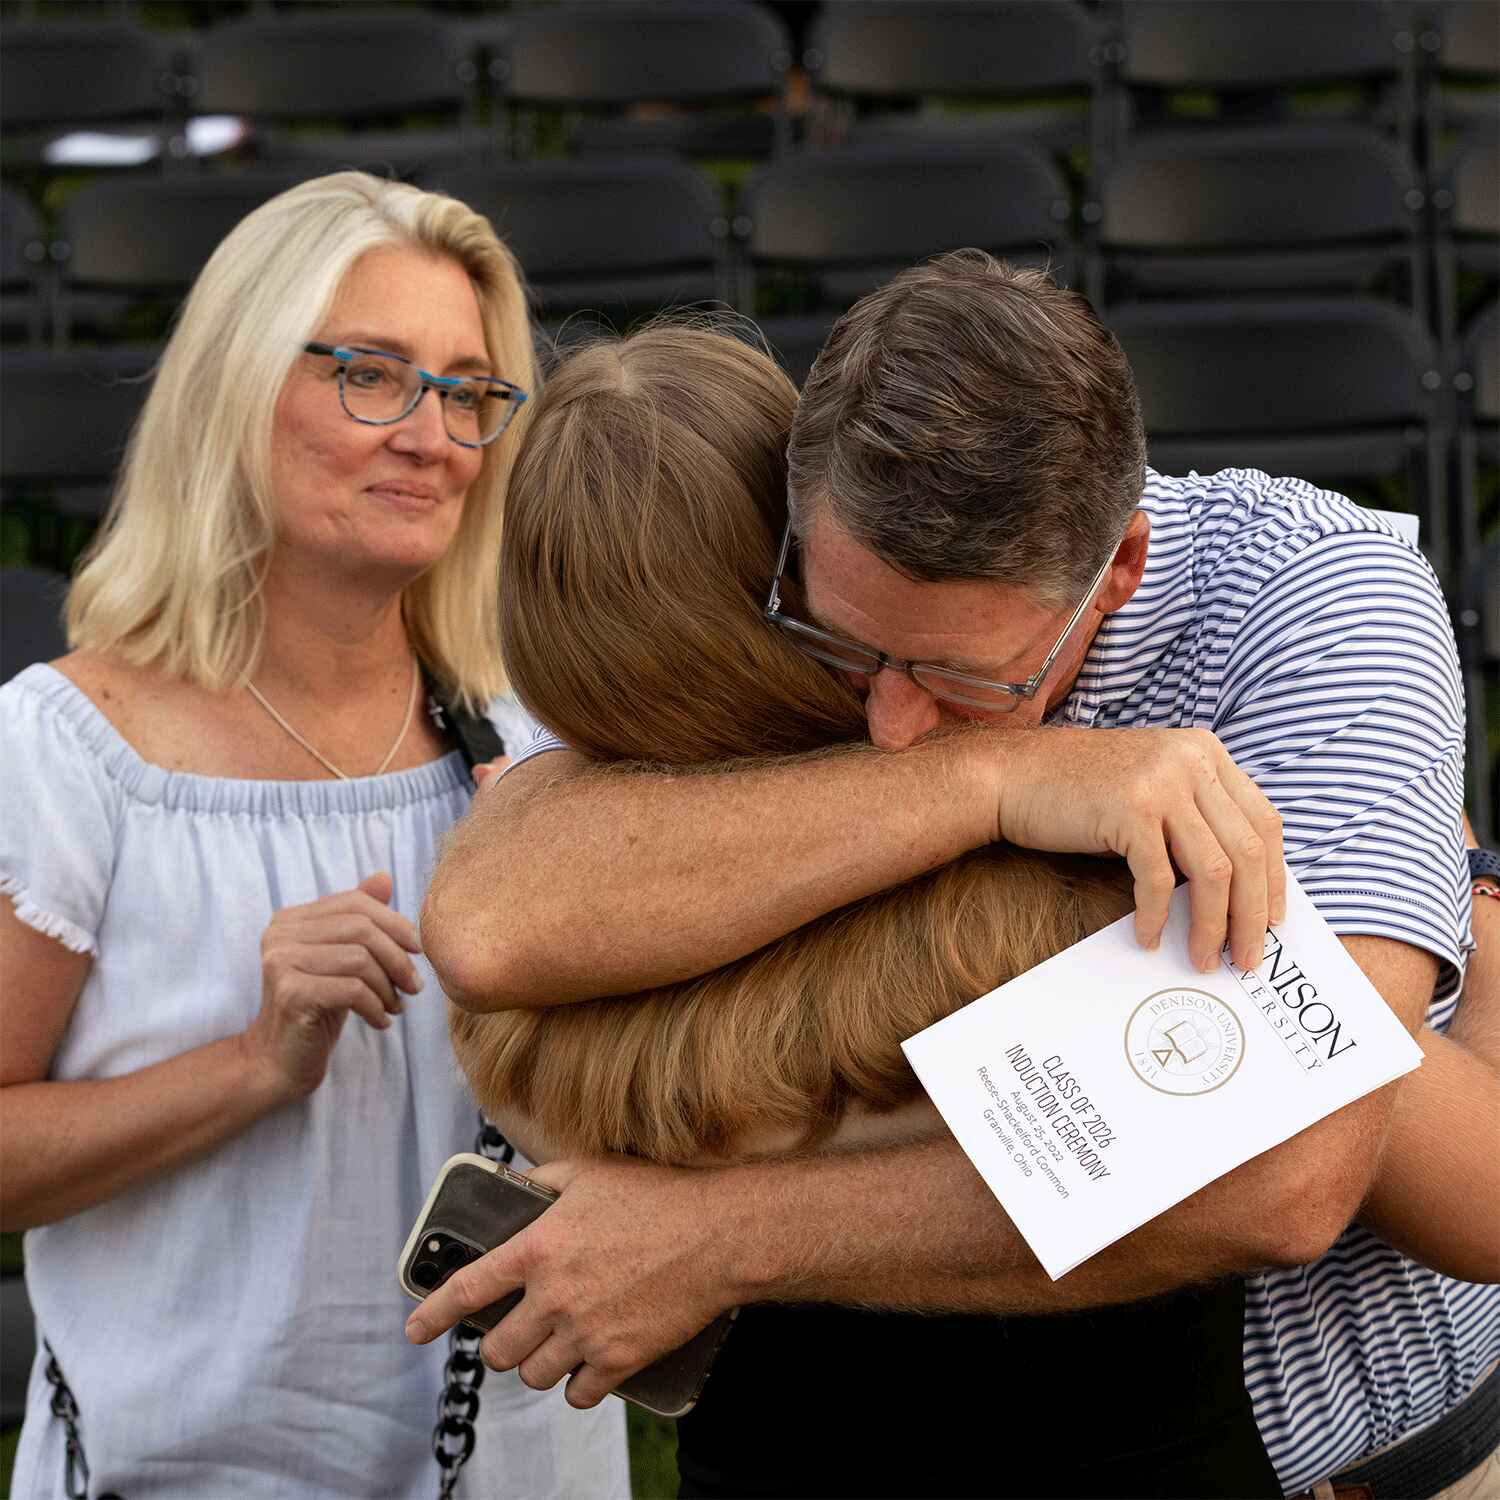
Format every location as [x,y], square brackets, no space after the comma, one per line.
[476,1204]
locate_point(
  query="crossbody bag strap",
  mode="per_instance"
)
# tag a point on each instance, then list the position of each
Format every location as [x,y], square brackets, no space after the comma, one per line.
[65,1409]
[458,1405]
[476,738]
[454,1436]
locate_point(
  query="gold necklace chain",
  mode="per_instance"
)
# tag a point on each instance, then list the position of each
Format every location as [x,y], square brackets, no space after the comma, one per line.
[312,750]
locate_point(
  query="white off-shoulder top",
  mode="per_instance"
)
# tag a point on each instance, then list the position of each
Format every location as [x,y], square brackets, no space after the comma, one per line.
[235,1328]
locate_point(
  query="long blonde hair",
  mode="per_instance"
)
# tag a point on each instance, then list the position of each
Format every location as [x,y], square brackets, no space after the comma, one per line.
[173,578]
[641,537]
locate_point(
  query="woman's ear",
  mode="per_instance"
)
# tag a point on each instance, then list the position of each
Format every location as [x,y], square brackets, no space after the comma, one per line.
[1124,577]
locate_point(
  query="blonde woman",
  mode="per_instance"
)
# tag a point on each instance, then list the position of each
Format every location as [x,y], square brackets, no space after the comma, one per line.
[640,540]
[225,1085]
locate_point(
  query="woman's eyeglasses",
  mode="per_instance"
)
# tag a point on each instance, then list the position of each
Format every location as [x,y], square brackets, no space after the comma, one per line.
[381,388]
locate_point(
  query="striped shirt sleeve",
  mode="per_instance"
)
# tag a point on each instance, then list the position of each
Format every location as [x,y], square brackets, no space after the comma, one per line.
[1342,699]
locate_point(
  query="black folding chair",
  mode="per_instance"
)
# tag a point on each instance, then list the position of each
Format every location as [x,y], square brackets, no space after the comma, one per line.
[796,342]
[1467,204]
[1476,385]
[837,224]
[1477,618]
[61,77]
[67,416]
[1263,211]
[1254,60]
[360,71]
[31,631]
[148,236]
[658,75]
[620,238]
[23,257]
[1035,64]
[1460,76]
[1332,391]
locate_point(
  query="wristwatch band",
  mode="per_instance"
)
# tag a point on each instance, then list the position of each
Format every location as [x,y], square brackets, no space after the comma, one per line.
[1484,864]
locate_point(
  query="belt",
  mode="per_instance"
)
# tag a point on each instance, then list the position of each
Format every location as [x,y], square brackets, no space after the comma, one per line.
[1427,1462]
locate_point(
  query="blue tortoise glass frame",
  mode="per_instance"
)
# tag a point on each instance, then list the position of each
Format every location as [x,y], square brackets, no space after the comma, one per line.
[942,682]
[511,396]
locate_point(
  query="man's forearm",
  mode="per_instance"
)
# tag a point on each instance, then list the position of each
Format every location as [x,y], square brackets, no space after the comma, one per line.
[932,1238]
[568,882]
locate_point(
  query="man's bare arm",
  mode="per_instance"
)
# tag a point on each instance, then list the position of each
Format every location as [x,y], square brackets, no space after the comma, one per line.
[634,1259]
[1437,1196]
[569,881]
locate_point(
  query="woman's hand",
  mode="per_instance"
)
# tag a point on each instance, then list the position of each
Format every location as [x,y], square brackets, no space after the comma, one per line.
[487,770]
[346,952]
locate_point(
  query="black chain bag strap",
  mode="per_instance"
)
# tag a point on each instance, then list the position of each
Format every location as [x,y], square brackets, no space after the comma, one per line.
[65,1409]
[463,1374]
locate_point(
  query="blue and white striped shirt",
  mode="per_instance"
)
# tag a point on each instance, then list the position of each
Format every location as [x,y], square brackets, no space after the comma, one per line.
[1314,641]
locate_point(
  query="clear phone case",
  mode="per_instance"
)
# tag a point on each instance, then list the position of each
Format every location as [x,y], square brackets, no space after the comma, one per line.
[477,1204]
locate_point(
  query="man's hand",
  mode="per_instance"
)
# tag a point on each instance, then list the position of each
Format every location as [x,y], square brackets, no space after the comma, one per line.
[622,1269]
[1166,800]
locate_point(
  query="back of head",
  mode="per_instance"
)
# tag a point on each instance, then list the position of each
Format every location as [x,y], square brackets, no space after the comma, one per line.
[971,419]
[174,576]
[639,548]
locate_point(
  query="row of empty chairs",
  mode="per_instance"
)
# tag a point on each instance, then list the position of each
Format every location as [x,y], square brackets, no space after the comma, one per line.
[1219,213]
[1067,73]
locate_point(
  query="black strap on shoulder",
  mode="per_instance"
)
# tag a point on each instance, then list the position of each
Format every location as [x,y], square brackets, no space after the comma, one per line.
[477,739]
[463,1373]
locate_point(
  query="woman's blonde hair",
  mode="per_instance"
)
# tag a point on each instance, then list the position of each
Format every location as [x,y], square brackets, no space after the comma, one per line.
[174,577]
[641,537]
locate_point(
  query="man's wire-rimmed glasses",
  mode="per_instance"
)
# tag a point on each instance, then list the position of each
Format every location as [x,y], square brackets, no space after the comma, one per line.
[942,682]
[381,388]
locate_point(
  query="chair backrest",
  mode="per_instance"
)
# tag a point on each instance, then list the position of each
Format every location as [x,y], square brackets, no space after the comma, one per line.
[795,342]
[1480,359]
[1277,367]
[1468,39]
[1258,44]
[631,234]
[1470,189]
[331,66]
[897,49]
[31,630]
[83,73]
[67,413]
[22,248]
[1336,391]
[611,52]
[1229,189]
[148,233]
[1262,210]
[894,204]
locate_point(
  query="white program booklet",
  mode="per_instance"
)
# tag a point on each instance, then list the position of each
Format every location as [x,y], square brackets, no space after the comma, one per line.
[1110,1082]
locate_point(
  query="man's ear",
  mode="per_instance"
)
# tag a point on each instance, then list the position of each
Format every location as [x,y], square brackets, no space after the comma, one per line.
[1124,577]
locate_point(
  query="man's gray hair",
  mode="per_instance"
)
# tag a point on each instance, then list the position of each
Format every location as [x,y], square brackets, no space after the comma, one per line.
[971,419]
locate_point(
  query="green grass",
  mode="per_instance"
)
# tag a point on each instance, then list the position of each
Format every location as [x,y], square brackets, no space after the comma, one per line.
[653,1455]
